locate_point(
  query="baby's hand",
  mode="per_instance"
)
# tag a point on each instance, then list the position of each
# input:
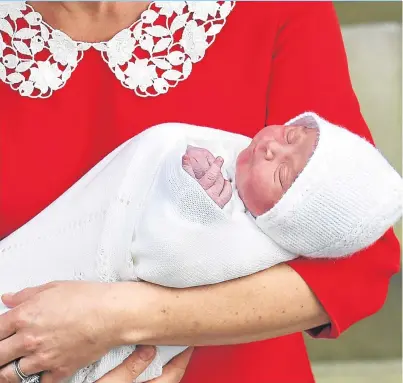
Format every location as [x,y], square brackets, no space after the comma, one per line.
[197,161]
[213,182]
[200,164]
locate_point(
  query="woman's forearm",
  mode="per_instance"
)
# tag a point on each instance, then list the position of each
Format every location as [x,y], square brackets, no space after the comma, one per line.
[265,305]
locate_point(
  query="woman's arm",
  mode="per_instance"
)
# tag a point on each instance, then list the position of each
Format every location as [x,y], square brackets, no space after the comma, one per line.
[265,305]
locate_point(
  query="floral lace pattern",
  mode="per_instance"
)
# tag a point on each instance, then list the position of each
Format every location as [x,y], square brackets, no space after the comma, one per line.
[150,57]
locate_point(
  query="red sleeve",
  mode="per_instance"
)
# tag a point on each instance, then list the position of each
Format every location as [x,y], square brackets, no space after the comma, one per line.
[310,73]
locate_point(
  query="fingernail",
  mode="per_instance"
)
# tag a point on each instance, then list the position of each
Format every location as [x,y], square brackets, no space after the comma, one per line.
[146,353]
[7,296]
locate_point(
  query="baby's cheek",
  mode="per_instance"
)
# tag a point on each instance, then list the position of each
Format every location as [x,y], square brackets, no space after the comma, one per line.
[260,193]
[246,193]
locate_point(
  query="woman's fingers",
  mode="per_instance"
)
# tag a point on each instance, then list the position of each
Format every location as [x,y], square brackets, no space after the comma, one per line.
[173,372]
[181,361]
[15,299]
[7,326]
[12,348]
[132,367]
[53,377]
[8,375]
[11,300]
[60,341]
[27,366]
[18,348]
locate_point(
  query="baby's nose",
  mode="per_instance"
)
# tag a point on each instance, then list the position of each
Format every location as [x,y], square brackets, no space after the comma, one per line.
[276,150]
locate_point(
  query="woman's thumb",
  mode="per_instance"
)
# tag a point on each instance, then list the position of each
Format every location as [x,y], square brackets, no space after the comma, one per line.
[132,367]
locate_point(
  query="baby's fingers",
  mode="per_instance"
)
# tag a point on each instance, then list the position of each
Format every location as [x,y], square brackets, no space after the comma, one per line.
[225,195]
[201,160]
[209,179]
[215,191]
[187,166]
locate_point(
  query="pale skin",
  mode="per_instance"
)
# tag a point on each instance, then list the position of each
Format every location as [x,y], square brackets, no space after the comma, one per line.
[265,305]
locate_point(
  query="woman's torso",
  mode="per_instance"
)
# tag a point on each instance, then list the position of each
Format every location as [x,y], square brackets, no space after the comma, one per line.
[48,144]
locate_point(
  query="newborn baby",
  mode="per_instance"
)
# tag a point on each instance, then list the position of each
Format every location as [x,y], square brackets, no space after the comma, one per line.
[317,215]
[265,170]
[186,218]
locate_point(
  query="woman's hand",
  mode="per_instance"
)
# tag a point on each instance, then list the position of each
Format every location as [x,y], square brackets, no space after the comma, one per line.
[61,327]
[134,365]
[173,372]
[128,371]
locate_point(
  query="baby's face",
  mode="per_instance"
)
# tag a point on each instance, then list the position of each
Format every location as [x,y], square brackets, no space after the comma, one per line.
[271,163]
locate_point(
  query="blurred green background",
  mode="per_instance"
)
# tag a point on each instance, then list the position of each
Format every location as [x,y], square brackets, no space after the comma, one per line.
[371,351]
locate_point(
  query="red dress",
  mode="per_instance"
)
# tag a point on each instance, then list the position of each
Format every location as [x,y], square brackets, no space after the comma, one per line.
[270,62]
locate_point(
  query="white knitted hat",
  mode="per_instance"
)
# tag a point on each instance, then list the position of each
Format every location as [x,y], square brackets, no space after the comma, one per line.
[345,199]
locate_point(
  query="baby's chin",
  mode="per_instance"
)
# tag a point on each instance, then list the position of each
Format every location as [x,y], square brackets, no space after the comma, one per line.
[256,207]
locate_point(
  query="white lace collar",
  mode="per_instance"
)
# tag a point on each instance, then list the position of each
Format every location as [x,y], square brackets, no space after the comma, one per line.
[36,59]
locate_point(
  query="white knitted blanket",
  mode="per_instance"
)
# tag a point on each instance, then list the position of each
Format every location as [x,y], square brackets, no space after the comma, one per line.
[138,215]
